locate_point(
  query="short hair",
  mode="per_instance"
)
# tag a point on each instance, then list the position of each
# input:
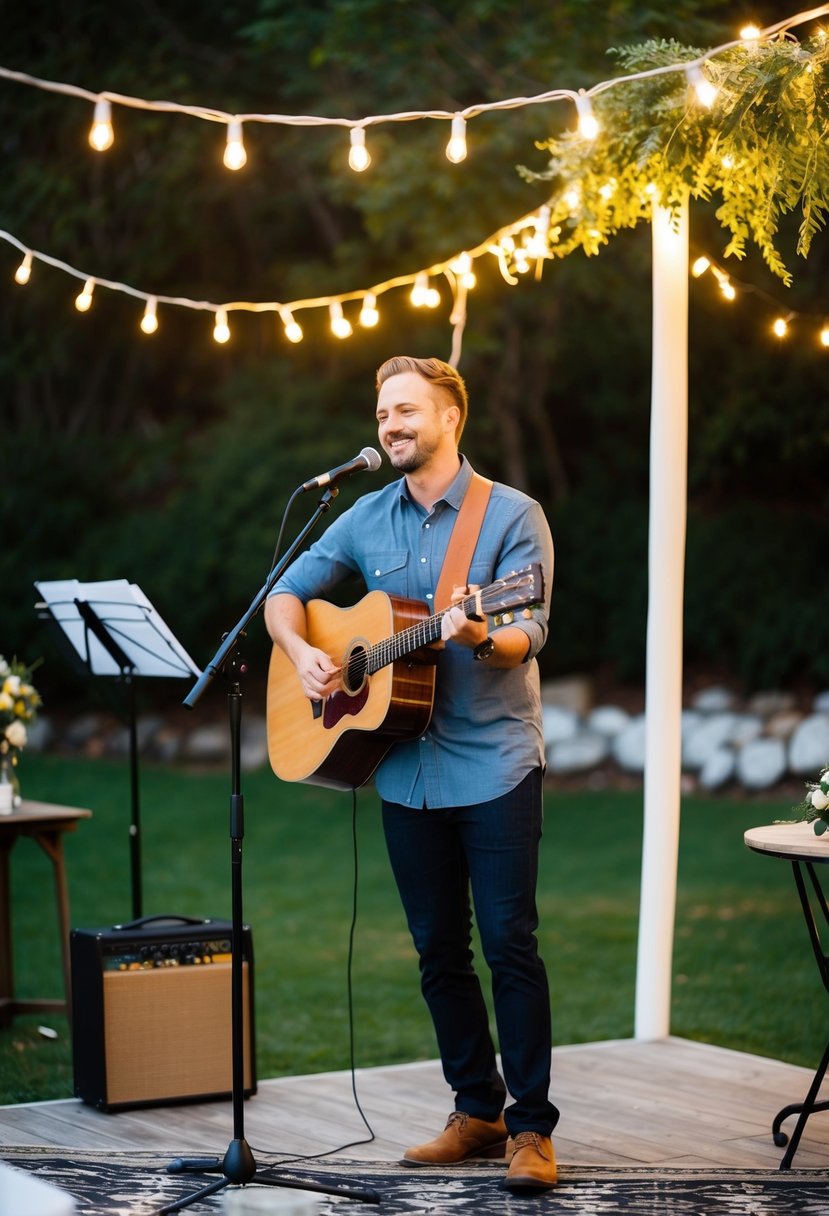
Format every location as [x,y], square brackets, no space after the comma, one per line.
[442,375]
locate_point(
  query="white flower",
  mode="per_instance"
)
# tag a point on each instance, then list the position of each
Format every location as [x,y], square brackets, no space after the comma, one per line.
[16,735]
[12,685]
[6,701]
[4,668]
[819,800]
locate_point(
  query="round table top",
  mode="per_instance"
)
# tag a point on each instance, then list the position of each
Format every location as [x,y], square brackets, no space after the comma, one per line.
[793,840]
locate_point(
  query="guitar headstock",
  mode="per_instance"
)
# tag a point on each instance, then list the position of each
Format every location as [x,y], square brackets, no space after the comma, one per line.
[516,590]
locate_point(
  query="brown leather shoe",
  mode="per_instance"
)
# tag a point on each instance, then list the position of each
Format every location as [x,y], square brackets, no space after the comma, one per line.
[533,1165]
[462,1138]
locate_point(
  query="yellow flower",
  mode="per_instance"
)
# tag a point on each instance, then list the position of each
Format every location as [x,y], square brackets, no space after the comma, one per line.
[6,701]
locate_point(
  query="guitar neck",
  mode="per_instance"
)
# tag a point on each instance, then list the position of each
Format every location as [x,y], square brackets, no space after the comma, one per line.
[408,640]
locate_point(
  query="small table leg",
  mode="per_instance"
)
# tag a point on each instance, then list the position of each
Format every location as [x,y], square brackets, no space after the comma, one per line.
[6,962]
[52,845]
[803,1109]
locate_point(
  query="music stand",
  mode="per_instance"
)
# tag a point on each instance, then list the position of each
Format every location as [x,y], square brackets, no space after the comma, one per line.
[112,629]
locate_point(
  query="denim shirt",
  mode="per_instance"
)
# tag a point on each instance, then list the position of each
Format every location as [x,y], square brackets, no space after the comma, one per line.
[485,734]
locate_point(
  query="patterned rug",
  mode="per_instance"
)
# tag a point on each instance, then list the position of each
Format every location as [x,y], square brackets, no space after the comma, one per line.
[130,1184]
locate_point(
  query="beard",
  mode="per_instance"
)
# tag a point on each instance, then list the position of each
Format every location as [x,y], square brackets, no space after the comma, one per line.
[422,450]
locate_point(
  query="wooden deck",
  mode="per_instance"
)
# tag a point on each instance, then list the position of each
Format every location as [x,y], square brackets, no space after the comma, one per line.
[666,1103]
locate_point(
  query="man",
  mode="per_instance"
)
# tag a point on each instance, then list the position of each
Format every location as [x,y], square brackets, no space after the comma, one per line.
[462,804]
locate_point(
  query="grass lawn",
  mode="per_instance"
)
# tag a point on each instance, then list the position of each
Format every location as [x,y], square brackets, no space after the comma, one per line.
[744,976]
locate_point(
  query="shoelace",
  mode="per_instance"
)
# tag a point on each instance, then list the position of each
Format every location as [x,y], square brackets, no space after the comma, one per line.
[528,1140]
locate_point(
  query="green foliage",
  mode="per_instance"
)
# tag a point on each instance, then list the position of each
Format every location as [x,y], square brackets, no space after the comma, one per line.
[761,147]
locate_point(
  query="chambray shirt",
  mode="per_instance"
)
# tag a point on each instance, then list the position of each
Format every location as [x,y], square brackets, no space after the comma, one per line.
[485,734]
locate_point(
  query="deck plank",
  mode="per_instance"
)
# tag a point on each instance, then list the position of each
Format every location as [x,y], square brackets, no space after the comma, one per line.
[667,1103]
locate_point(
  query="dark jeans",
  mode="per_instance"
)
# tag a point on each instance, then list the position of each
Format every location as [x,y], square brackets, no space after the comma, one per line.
[436,855]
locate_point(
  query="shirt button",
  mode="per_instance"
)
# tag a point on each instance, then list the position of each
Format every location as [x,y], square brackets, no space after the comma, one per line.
[428,595]
[376,573]
[423,561]
[427,525]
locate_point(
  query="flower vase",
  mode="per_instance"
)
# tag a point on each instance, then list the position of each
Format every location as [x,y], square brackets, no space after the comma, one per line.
[7,785]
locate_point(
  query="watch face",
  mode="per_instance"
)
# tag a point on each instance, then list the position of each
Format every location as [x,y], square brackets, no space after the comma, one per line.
[484,649]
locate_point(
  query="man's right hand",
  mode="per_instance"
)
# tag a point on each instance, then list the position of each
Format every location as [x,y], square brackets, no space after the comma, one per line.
[318,674]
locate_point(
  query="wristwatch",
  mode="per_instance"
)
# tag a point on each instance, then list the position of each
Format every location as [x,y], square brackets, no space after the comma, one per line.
[484,649]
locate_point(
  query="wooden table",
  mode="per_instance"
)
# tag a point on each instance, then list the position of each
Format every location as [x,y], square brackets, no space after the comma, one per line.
[797,843]
[45,824]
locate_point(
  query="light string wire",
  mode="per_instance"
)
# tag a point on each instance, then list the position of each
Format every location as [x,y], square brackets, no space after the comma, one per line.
[456,269]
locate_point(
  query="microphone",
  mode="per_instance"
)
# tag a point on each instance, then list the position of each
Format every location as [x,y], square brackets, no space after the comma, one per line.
[368,459]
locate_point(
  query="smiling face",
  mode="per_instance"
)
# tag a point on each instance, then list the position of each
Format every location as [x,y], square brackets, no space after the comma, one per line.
[416,422]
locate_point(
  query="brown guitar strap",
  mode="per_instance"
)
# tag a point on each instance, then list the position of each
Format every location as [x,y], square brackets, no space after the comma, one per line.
[465,533]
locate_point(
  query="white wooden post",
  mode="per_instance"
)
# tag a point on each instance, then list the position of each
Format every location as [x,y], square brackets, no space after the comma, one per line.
[666,567]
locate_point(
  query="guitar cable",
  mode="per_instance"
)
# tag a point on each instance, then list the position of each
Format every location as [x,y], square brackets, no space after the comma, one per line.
[350,1003]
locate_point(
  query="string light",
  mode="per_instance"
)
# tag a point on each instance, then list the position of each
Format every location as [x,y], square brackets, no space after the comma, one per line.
[750,33]
[419,296]
[358,155]
[462,266]
[221,329]
[706,91]
[83,301]
[340,325]
[780,326]
[824,334]
[101,134]
[699,267]
[588,122]
[235,156]
[149,322]
[24,270]
[369,316]
[293,330]
[456,148]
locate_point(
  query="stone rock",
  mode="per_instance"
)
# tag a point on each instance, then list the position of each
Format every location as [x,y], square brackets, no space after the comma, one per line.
[39,734]
[628,748]
[254,744]
[771,702]
[711,733]
[820,705]
[718,768]
[80,731]
[782,725]
[559,723]
[809,746]
[713,700]
[607,720]
[207,743]
[584,751]
[761,763]
[746,728]
[574,693]
[118,743]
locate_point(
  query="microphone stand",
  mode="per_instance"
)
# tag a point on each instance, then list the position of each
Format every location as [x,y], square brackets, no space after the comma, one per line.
[238,1166]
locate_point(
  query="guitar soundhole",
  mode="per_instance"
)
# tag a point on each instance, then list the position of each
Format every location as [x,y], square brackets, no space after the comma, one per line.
[354,668]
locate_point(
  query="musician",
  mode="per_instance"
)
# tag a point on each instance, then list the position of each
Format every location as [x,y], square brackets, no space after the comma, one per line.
[462,805]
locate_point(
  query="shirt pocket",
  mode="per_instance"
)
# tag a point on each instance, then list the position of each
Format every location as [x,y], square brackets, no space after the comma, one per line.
[387,571]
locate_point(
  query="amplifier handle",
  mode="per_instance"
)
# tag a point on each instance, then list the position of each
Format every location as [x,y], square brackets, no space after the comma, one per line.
[148,920]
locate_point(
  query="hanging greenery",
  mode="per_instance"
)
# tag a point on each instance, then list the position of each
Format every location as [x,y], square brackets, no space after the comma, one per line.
[757,142]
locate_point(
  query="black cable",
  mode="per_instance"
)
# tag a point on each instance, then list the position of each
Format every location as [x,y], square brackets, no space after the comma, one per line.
[350,1001]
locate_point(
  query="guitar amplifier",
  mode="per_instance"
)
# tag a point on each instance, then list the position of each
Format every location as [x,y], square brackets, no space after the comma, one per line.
[151,1012]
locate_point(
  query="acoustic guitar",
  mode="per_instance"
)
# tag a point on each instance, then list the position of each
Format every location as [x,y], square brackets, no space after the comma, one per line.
[388,681]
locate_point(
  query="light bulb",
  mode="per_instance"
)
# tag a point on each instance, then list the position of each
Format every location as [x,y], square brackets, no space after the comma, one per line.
[235,156]
[83,301]
[824,334]
[221,329]
[456,148]
[340,327]
[358,154]
[432,297]
[727,288]
[700,266]
[706,91]
[293,330]
[780,327]
[24,270]
[101,134]
[420,290]
[369,316]
[750,33]
[149,322]
[588,123]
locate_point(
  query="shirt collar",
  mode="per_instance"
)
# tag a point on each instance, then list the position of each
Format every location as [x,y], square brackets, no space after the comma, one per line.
[455,492]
